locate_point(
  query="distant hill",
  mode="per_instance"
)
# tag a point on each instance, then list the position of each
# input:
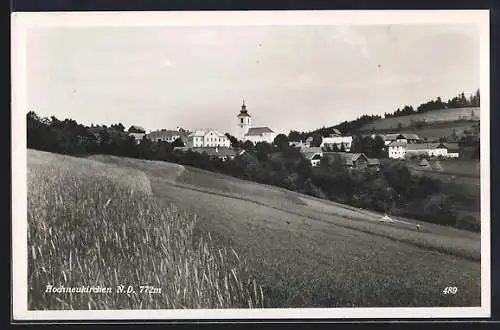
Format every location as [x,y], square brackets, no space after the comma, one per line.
[422,119]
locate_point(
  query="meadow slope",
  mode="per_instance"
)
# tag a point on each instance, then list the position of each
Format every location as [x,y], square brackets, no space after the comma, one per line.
[437,116]
[308,252]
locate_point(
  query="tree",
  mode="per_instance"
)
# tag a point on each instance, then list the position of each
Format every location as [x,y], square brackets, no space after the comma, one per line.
[281,142]
[317,140]
[357,144]
[294,136]
[248,145]
[119,127]
[178,143]
[235,143]
[378,146]
[342,147]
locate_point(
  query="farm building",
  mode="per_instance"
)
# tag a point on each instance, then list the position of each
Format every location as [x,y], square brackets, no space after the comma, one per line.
[207,138]
[314,155]
[402,150]
[137,132]
[339,141]
[168,135]
[300,144]
[402,137]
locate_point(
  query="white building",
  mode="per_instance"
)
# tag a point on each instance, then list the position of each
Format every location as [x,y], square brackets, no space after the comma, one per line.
[246,131]
[339,141]
[402,150]
[207,138]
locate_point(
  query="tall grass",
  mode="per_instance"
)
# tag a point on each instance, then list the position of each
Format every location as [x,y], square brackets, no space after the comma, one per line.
[91,224]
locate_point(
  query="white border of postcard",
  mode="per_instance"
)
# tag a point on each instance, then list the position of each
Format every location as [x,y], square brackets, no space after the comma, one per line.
[21,22]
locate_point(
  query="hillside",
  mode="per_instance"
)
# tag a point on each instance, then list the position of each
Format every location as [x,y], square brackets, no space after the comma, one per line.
[309,252]
[432,117]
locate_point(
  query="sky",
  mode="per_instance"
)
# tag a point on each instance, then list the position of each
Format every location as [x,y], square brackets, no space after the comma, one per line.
[291,77]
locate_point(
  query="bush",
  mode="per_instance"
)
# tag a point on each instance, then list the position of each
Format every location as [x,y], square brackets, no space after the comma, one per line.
[468,222]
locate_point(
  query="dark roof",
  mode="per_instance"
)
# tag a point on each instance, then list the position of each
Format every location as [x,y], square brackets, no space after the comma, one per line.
[259,131]
[410,136]
[373,161]
[349,158]
[243,111]
[165,133]
[137,128]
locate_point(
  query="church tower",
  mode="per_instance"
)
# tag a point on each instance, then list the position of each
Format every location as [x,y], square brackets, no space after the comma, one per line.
[244,122]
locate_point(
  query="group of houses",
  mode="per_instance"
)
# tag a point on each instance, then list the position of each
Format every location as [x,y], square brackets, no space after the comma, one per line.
[213,142]
[208,140]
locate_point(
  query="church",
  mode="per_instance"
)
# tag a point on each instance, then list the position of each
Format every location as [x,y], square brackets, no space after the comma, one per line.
[246,131]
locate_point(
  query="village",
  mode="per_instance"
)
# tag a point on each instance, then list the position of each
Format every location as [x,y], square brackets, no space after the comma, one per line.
[397,145]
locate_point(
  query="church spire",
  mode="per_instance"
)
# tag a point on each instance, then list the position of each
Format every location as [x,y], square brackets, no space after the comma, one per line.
[243,106]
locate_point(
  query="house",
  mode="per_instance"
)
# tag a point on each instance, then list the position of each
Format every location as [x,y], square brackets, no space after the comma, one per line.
[168,135]
[137,132]
[314,155]
[246,131]
[403,150]
[300,144]
[402,137]
[351,160]
[328,142]
[336,132]
[397,150]
[207,138]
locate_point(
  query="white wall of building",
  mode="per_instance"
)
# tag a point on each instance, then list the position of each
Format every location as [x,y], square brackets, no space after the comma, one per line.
[244,124]
[265,137]
[397,152]
[338,140]
[210,138]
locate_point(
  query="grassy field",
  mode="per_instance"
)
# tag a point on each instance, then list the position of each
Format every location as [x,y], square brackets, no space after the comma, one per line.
[445,115]
[308,252]
[96,224]
[434,131]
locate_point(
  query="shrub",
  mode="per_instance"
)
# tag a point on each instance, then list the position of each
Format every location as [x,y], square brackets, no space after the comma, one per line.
[468,222]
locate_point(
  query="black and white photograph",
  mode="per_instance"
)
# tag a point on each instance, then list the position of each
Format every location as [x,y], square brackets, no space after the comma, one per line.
[232,165]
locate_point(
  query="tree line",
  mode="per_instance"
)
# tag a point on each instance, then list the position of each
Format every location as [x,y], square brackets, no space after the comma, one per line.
[459,101]
[352,127]
[392,189]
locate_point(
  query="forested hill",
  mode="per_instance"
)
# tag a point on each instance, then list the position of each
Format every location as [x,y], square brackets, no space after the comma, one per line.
[435,106]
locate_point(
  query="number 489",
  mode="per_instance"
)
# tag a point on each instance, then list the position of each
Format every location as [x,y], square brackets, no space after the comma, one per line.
[450,290]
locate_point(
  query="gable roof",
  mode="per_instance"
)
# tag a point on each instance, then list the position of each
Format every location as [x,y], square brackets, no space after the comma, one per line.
[410,136]
[203,132]
[347,157]
[255,131]
[397,144]
[165,133]
[138,128]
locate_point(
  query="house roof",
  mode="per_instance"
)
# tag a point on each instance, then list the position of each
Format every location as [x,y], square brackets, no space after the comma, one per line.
[397,144]
[347,157]
[424,146]
[309,139]
[258,131]
[164,133]
[373,161]
[203,132]
[423,162]
[138,128]
[410,136]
